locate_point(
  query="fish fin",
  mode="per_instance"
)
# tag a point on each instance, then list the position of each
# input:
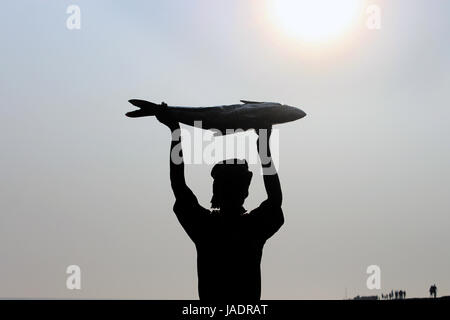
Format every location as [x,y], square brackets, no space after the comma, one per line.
[143,104]
[250,102]
[146,108]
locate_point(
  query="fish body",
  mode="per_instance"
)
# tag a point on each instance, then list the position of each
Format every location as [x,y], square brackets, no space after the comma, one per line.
[245,116]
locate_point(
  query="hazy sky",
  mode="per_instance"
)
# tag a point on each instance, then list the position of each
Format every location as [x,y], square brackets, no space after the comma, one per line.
[365,177]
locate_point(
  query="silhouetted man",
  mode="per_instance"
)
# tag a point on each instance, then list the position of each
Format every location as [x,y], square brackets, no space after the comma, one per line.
[229,241]
[433,291]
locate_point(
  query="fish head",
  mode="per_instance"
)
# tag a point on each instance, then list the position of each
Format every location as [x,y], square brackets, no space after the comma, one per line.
[284,113]
[293,113]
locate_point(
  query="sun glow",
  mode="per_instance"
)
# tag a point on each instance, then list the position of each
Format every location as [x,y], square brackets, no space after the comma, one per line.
[314,20]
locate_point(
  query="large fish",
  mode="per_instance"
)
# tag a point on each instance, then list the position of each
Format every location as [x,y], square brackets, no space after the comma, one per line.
[248,115]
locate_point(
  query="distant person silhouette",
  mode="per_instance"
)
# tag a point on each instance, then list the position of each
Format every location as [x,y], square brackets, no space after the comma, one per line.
[229,241]
[433,291]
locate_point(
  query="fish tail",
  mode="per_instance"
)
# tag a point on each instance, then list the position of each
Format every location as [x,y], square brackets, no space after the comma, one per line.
[146,108]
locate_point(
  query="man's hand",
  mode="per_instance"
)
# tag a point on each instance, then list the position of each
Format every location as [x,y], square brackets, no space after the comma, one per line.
[165,118]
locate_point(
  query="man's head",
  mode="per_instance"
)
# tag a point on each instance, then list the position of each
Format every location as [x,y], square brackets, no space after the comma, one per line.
[231,182]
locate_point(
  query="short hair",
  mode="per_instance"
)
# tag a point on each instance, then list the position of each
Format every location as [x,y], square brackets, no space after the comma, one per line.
[231,168]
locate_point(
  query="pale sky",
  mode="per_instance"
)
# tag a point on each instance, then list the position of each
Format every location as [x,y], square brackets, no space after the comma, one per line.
[365,176]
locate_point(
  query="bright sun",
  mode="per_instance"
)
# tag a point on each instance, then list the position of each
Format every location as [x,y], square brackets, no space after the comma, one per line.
[314,20]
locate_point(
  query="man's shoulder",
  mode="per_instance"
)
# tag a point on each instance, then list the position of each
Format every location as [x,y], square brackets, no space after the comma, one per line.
[265,206]
[194,207]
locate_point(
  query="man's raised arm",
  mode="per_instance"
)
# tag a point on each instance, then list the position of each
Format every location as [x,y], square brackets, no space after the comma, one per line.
[271,180]
[186,207]
[177,180]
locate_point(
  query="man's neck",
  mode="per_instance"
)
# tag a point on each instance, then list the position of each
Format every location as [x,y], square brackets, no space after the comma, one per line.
[233,211]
